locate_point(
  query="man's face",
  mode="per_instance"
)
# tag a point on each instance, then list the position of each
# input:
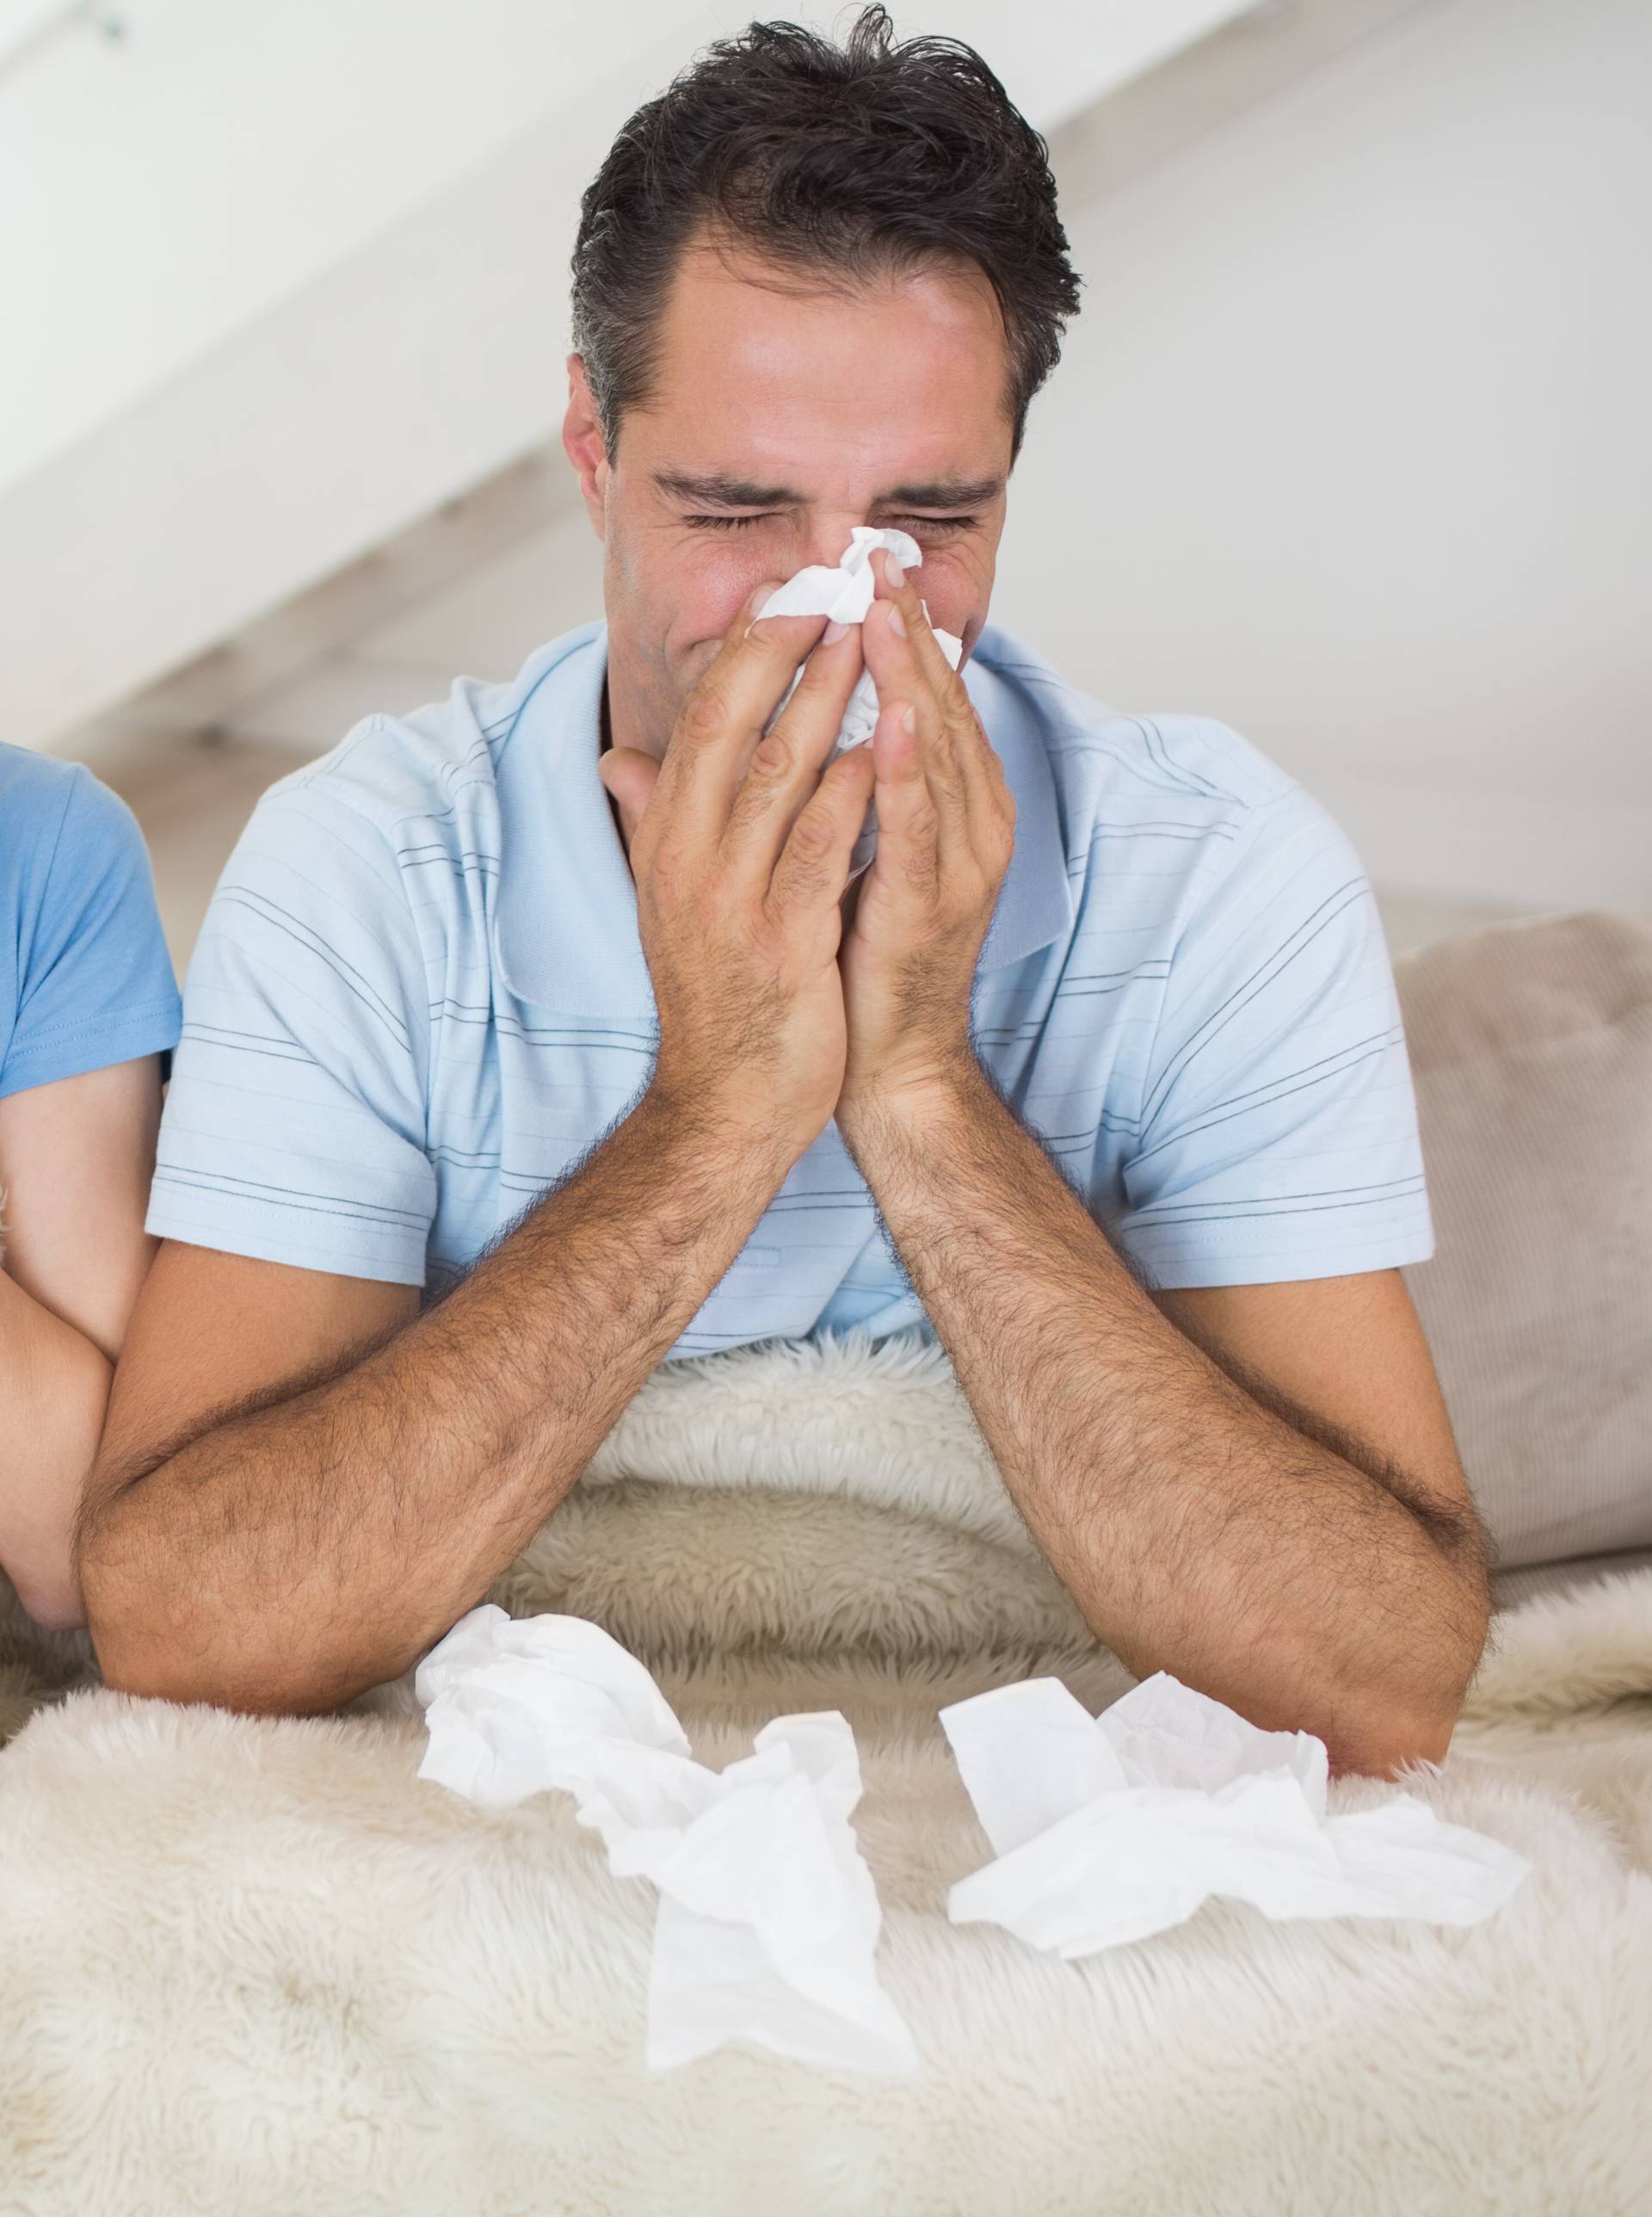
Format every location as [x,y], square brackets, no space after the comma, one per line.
[780,419]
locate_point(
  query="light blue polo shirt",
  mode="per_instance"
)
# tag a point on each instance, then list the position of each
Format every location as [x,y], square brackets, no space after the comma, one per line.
[85,979]
[420,1001]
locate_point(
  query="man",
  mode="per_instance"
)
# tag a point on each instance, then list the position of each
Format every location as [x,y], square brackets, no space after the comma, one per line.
[88,1008]
[490,1099]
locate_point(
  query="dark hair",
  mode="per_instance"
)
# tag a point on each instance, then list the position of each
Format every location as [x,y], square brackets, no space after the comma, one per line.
[852,160]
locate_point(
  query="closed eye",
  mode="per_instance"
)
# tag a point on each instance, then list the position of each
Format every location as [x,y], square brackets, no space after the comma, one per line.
[915,524]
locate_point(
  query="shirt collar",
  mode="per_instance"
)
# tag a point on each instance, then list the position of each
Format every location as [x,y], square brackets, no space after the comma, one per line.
[564,931]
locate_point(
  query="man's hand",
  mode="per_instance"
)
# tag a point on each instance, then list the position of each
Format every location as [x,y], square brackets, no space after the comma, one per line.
[740,849]
[946,833]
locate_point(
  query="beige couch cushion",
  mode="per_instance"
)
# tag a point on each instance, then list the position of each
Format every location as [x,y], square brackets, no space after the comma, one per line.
[1530,1047]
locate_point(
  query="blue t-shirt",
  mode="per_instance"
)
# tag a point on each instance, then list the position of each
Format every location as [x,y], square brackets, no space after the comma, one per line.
[85,979]
[420,999]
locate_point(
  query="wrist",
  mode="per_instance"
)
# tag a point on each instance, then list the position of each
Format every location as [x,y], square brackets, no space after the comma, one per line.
[730,1132]
[917,1102]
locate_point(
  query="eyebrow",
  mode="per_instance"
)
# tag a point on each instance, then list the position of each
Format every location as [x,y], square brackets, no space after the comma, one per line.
[720,491]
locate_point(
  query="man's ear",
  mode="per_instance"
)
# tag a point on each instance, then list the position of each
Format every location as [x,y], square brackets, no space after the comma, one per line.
[584,445]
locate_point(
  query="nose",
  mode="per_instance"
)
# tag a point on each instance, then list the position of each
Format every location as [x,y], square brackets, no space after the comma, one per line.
[829,538]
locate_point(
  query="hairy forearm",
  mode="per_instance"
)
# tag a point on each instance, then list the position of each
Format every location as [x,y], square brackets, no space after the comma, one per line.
[295,1554]
[1199,1532]
[54,1388]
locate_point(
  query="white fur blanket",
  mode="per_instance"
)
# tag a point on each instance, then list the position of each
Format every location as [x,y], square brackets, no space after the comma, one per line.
[255,1966]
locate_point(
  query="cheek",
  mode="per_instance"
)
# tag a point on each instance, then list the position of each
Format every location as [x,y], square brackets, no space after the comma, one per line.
[696,590]
[955,584]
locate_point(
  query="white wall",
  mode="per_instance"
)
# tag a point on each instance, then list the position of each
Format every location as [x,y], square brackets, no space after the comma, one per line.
[183,180]
[1352,446]
[292,276]
[186,178]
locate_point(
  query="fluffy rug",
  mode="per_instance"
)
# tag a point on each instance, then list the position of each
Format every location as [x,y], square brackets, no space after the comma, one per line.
[255,1966]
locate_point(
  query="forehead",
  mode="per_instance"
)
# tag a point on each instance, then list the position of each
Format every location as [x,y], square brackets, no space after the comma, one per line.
[791,367]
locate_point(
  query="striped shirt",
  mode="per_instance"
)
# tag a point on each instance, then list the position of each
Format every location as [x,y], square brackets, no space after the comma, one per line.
[419,1001]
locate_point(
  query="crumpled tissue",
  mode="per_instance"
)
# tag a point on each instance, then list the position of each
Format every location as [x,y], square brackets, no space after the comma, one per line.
[1108,1829]
[844,594]
[768,1917]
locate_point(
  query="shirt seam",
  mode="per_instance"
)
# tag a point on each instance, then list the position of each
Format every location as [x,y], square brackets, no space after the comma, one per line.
[59,1034]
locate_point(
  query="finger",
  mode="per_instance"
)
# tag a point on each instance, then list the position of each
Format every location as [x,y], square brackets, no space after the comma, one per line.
[975,751]
[897,585]
[813,869]
[960,754]
[720,721]
[908,821]
[786,761]
[629,776]
[945,767]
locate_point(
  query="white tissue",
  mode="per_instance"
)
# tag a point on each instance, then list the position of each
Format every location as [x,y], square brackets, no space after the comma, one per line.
[769,1919]
[1108,1829]
[844,594]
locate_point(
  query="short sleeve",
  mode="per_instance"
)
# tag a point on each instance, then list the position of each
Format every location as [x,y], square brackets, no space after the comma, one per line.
[95,983]
[294,1130]
[1278,1135]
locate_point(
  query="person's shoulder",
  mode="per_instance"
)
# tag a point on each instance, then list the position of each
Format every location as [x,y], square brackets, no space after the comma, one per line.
[390,766]
[34,787]
[1175,820]
[436,765]
[61,819]
[1115,758]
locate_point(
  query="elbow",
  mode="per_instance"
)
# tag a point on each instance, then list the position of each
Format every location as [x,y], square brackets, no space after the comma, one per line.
[226,1667]
[57,1429]
[49,1593]
[1386,1743]
[134,1655]
[137,1662]
[1390,1754]
[39,1560]
[1390,1728]
[226,1657]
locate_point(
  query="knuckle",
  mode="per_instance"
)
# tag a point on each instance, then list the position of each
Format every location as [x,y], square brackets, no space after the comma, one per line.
[771,760]
[924,824]
[818,675]
[813,833]
[703,717]
[664,875]
[921,877]
[772,641]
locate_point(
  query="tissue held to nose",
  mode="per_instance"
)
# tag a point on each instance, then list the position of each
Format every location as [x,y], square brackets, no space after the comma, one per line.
[844,594]
[1108,1829]
[768,1917]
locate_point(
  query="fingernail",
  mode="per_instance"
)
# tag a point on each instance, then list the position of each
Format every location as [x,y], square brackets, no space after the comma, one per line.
[893,573]
[763,593]
[909,720]
[834,632]
[897,623]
